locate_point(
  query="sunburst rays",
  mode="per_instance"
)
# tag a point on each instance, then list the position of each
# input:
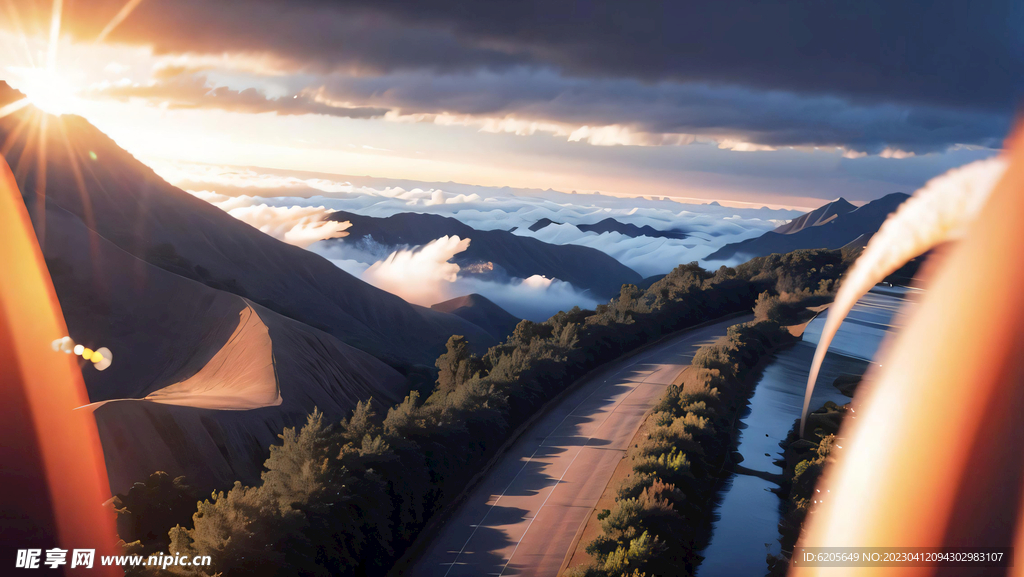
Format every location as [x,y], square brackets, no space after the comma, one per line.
[37,121]
[117,19]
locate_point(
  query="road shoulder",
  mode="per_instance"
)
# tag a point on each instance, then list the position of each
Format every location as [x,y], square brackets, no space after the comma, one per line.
[577,555]
[426,536]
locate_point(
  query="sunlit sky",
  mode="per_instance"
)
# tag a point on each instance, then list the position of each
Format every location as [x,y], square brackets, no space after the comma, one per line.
[719,103]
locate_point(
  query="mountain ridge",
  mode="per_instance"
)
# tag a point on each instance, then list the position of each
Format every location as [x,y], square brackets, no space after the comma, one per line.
[517,256]
[164,280]
[817,217]
[127,203]
[824,227]
[482,312]
[612,225]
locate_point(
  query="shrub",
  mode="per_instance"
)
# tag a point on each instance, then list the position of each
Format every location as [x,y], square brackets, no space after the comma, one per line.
[717,357]
[634,484]
[670,489]
[767,308]
[626,558]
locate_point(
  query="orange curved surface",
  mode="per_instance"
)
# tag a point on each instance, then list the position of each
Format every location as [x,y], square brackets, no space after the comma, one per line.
[53,469]
[935,456]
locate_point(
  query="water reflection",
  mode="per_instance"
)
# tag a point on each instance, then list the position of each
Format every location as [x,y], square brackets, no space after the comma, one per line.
[746,524]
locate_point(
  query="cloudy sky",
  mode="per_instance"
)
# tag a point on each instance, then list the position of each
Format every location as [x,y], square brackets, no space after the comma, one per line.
[784,102]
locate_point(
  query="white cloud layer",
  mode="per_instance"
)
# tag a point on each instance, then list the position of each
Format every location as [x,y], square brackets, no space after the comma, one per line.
[420,275]
[710,226]
[424,276]
[297,225]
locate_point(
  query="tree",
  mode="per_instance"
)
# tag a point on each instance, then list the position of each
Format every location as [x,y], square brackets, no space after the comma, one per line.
[640,550]
[767,308]
[303,469]
[146,511]
[456,366]
[246,532]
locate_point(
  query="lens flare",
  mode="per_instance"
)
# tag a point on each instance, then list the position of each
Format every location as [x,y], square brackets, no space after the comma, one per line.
[45,89]
[101,358]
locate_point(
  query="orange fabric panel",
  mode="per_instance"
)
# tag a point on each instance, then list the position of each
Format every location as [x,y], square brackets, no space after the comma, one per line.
[64,442]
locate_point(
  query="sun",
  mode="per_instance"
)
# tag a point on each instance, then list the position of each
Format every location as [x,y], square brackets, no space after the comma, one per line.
[46,89]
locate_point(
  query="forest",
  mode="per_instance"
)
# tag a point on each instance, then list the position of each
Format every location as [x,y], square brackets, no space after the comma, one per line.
[349,497]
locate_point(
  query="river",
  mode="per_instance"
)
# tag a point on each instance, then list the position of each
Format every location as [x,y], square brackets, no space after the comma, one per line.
[745,528]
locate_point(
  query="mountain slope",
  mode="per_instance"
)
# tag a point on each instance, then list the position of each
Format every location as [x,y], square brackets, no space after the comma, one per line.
[833,230]
[125,202]
[817,217]
[178,341]
[482,312]
[516,256]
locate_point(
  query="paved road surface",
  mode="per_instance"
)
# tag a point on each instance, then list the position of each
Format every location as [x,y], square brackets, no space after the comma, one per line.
[522,517]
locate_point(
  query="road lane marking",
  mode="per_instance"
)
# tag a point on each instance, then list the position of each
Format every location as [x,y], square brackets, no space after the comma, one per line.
[559,480]
[512,482]
[614,408]
[644,356]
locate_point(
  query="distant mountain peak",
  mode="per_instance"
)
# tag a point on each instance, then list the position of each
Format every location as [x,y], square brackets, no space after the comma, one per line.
[895,195]
[472,299]
[833,225]
[482,312]
[822,215]
[611,225]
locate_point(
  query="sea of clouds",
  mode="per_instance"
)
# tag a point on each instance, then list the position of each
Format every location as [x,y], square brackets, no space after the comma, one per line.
[293,209]
[424,276]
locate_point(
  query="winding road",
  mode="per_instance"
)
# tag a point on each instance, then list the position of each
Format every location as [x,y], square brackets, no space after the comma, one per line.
[523,515]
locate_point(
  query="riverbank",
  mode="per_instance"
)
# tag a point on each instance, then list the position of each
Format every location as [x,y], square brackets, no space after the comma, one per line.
[592,529]
[746,525]
[806,459]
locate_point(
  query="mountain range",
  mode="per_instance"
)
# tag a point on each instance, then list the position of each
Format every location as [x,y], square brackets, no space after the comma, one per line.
[833,225]
[189,298]
[126,203]
[612,225]
[494,253]
[223,335]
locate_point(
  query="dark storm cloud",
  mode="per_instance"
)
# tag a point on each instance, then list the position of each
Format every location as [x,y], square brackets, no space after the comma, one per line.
[864,74]
[186,90]
[771,118]
[946,52]
[304,36]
